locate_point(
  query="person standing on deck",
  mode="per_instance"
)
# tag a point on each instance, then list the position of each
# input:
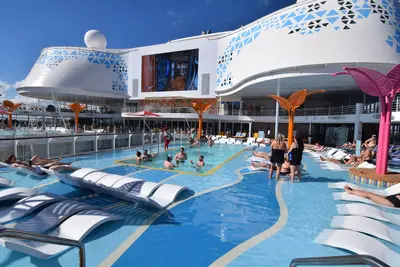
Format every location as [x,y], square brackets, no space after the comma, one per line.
[278,150]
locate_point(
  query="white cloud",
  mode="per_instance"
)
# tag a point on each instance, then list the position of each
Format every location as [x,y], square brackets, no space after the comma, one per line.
[8,92]
[173,13]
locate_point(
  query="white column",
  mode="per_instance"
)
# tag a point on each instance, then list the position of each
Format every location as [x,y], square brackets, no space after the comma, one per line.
[357,123]
[250,129]
[278,92]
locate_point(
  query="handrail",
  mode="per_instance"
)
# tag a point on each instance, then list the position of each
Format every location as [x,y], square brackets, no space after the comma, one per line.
[12,233]
[340,260]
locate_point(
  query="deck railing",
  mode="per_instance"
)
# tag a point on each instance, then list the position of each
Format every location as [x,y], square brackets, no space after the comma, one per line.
[56,146]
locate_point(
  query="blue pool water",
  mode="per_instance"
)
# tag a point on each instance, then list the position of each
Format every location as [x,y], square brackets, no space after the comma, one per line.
[213,156]
[231,205]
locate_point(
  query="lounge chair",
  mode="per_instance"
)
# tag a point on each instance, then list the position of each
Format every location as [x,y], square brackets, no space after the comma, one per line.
[344,196]
[394,189]
[368,211]
[367,226]
[52,216]
[166,194]
[358,243]
[22,170]
[28,205]
[126,188]
[258,169]
[16,193]
[76,227]
[6,183]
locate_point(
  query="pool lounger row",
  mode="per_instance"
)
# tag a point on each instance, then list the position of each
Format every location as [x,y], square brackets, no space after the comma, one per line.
[75,227]
[358,243]
[27,206]
[392,190]
[365,210]
[126,188]
[6,183]
[364,221]
[16,193]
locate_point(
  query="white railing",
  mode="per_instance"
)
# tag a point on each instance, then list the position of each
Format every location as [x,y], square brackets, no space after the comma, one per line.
[24,148]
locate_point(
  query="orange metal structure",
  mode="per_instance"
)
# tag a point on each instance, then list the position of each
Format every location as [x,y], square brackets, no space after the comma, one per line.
[10,106]
[76,108]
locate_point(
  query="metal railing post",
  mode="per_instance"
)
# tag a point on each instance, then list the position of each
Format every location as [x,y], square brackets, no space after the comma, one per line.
[114,139]
[342,110]
[74,145]
[130,137]
[96,141]
[48,146]
[15,146]
[11,233]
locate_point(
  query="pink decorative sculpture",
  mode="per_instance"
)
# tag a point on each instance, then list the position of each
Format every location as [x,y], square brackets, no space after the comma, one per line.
[385,87]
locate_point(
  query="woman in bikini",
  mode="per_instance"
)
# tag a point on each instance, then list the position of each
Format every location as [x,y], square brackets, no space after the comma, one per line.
[278,150]
[390,201]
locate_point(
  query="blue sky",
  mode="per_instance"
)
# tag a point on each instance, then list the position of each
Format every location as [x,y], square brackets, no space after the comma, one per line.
[28,26]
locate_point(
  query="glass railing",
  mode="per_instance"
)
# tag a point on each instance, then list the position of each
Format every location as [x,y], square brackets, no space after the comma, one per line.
[58,146]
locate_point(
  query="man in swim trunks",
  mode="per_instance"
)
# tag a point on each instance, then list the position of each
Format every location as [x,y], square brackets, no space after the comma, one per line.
[168,163]
[390,201]
[138,157]
[181,156]
[147,157]
[200,163]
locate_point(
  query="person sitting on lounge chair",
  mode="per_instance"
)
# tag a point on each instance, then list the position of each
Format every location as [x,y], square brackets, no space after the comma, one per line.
[263,155]
[47,163]
[349,145]
[12,160]
[370,143]
[390,201]
[285,169]
[366,156]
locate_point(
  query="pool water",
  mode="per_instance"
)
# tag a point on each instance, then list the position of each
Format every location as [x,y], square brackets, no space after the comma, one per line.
[237,217]
[213,157]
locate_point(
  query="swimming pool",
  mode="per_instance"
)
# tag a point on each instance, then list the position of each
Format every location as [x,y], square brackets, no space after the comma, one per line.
[236,217]
[213,157]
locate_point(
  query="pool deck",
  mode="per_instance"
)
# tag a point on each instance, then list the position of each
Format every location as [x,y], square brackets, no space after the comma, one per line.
[369,176]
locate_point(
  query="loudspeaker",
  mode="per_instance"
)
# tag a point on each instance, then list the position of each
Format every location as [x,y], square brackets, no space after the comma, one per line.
[135,88]
[205,84]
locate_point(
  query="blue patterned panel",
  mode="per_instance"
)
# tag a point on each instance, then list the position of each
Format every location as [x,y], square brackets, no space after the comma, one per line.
[53,57]
[311,19]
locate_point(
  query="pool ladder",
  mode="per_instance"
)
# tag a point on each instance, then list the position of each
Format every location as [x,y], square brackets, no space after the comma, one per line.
[11,233]
[339,260]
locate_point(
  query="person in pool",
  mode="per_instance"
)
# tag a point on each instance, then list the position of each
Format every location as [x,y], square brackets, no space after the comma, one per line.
[285,168]
[12,160]
[181,156]
[168,163]
[210,141]
[390,201]
[200,163]
[146,156]
[138,157]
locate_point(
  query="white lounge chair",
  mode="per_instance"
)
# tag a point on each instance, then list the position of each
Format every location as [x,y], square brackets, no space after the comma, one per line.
[6,183]
[16,193]
[358,243]
[367,226]
[259,160]
[94,177]
[28,205]
[76,228]
[81,173]
[344,196]
[394,189]
[52,216]
[258,169]
[166,194]
[368,211]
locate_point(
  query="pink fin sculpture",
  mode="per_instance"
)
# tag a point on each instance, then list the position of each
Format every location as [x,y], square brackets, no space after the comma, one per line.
[385,87]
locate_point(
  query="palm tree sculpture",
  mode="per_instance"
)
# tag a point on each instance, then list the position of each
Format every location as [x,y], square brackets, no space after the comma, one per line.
[201,106]
[10,106]
[385,87]
[76,108]
[291,104]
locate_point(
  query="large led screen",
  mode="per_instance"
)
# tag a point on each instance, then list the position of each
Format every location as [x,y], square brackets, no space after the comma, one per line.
[176,71]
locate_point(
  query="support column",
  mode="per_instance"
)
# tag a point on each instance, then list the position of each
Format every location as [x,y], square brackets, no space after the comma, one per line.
[358,128]
[250,129]
[278,93]
[219,127]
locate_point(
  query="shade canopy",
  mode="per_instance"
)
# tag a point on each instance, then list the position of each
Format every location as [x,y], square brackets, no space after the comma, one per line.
[142,114]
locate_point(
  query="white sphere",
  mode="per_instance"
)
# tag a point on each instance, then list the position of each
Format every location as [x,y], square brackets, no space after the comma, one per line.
[95,39]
